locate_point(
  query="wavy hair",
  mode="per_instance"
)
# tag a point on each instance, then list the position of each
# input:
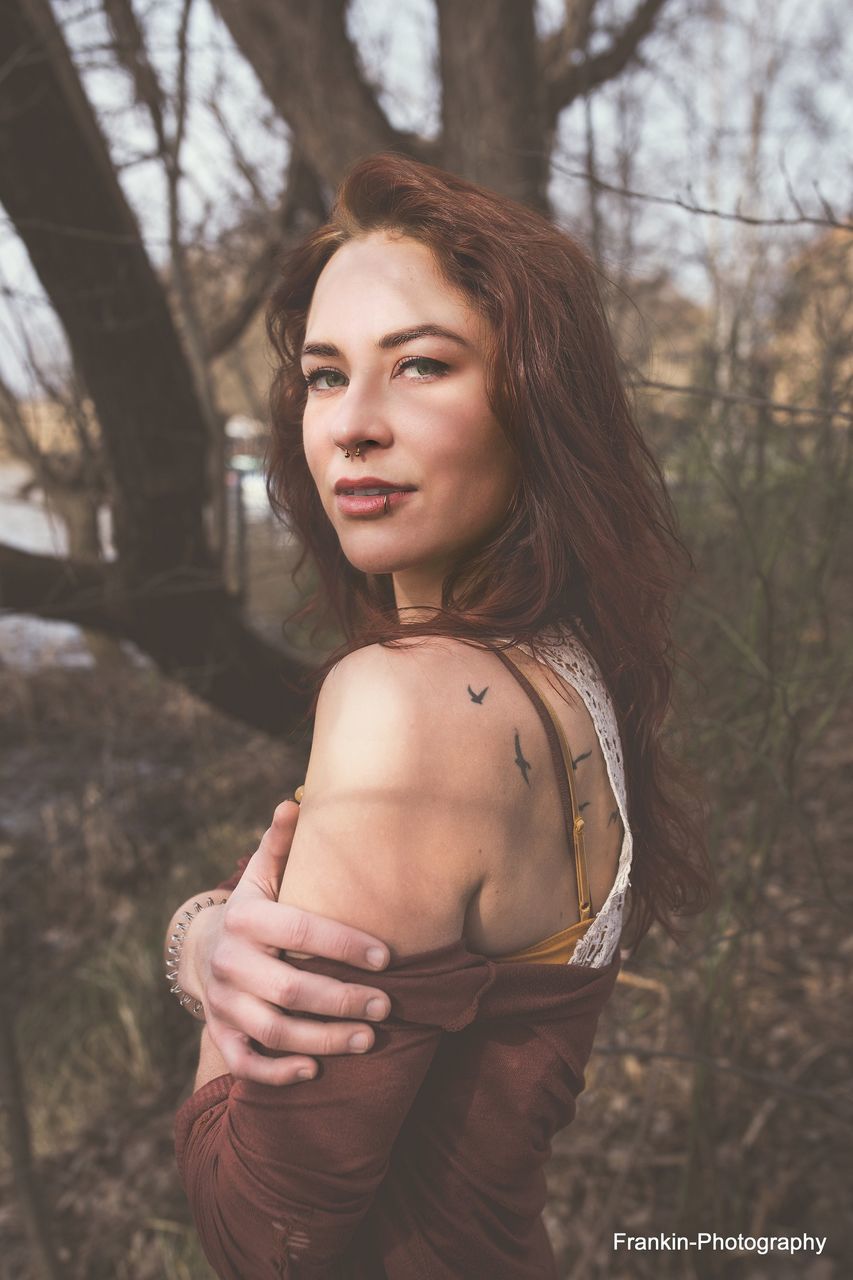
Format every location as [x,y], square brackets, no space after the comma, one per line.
[590,538]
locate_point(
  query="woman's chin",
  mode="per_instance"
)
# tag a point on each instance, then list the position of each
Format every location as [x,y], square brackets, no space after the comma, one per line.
[374,564]
[380,559]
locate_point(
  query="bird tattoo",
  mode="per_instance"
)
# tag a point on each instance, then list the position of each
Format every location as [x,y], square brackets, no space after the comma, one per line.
[577,759]
[477,697]
[523,764]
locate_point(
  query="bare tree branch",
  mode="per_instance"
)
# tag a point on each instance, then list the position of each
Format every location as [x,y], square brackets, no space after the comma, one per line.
[181,97]
[19,440]
[733,397]
[724,215]
[567,79]
[763,1078]
[58,472]
[302,207]
[560,48]
[238,155]
[129,48]
[309,70]
[253,291]
[184,621]
[50,587]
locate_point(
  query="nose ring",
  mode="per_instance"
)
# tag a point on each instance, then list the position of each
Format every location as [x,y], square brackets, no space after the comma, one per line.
[357,451]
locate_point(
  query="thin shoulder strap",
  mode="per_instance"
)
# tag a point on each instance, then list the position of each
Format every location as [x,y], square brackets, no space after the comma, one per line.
[562,758]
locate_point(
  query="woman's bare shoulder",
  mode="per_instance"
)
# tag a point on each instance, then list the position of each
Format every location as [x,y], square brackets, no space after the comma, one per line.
[437,721]
[410,656]
[425,674]
[402,796]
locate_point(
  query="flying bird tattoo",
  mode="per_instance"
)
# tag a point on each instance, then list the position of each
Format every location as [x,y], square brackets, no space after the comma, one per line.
[577,759]
[523,764]
[477,697]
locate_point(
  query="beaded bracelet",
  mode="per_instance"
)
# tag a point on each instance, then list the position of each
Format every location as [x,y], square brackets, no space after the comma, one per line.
[176,946]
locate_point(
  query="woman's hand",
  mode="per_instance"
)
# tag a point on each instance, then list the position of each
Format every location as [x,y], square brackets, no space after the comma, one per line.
[250,994]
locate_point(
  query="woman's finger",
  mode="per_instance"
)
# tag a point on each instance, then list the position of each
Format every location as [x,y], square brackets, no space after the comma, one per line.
[245,1063]
[287,1033]
[287,928]
[265,868]
[286,987]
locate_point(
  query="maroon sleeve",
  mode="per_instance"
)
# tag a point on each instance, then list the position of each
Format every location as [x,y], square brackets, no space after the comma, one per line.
[279,1177]
[236,875]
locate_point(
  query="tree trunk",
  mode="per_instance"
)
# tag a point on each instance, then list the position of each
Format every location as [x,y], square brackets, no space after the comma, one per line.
[492,106]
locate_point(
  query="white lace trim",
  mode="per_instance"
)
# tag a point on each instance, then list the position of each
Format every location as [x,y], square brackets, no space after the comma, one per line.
[563,650]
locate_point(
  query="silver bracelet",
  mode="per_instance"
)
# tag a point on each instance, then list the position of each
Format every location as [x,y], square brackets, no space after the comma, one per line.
[176,946]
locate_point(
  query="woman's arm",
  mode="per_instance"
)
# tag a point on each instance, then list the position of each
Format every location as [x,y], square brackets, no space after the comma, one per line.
[392,820]
[230,961]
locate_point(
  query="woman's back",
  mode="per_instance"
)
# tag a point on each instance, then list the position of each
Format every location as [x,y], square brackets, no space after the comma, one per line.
[531,889]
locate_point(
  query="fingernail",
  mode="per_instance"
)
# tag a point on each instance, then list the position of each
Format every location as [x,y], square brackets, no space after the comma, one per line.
[305,1073]
[359,1041]
[377,1009]
[376,957]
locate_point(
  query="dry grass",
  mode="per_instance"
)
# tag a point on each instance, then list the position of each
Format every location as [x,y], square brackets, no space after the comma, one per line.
[719,1095]
[124,795]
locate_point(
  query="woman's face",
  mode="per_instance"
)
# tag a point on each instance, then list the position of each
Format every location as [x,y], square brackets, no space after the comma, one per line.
[414,401]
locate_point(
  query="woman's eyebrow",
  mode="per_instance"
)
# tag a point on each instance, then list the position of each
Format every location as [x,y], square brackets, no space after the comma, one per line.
[402,336]
[392,340]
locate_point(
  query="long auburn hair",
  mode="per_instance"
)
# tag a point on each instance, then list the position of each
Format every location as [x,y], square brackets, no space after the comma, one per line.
[590,537]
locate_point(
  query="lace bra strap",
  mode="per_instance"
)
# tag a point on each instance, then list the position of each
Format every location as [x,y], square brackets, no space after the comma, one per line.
[561,756]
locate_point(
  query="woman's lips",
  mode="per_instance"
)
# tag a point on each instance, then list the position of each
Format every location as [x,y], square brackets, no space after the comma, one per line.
[352,504]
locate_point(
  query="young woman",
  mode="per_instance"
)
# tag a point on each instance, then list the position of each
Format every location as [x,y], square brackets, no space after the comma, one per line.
[453,443]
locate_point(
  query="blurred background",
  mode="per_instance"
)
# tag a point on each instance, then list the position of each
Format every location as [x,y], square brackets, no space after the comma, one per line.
[156,156]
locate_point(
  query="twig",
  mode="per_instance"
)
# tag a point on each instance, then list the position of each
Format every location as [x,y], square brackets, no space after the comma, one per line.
[803,219]
[717,1064]
[765,1111]
[735,397]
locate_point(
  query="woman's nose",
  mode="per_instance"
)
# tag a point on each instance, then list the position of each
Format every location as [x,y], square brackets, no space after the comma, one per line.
[360,416]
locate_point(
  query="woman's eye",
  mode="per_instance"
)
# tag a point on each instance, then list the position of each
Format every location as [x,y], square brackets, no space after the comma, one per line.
[315,379]
[424,367]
